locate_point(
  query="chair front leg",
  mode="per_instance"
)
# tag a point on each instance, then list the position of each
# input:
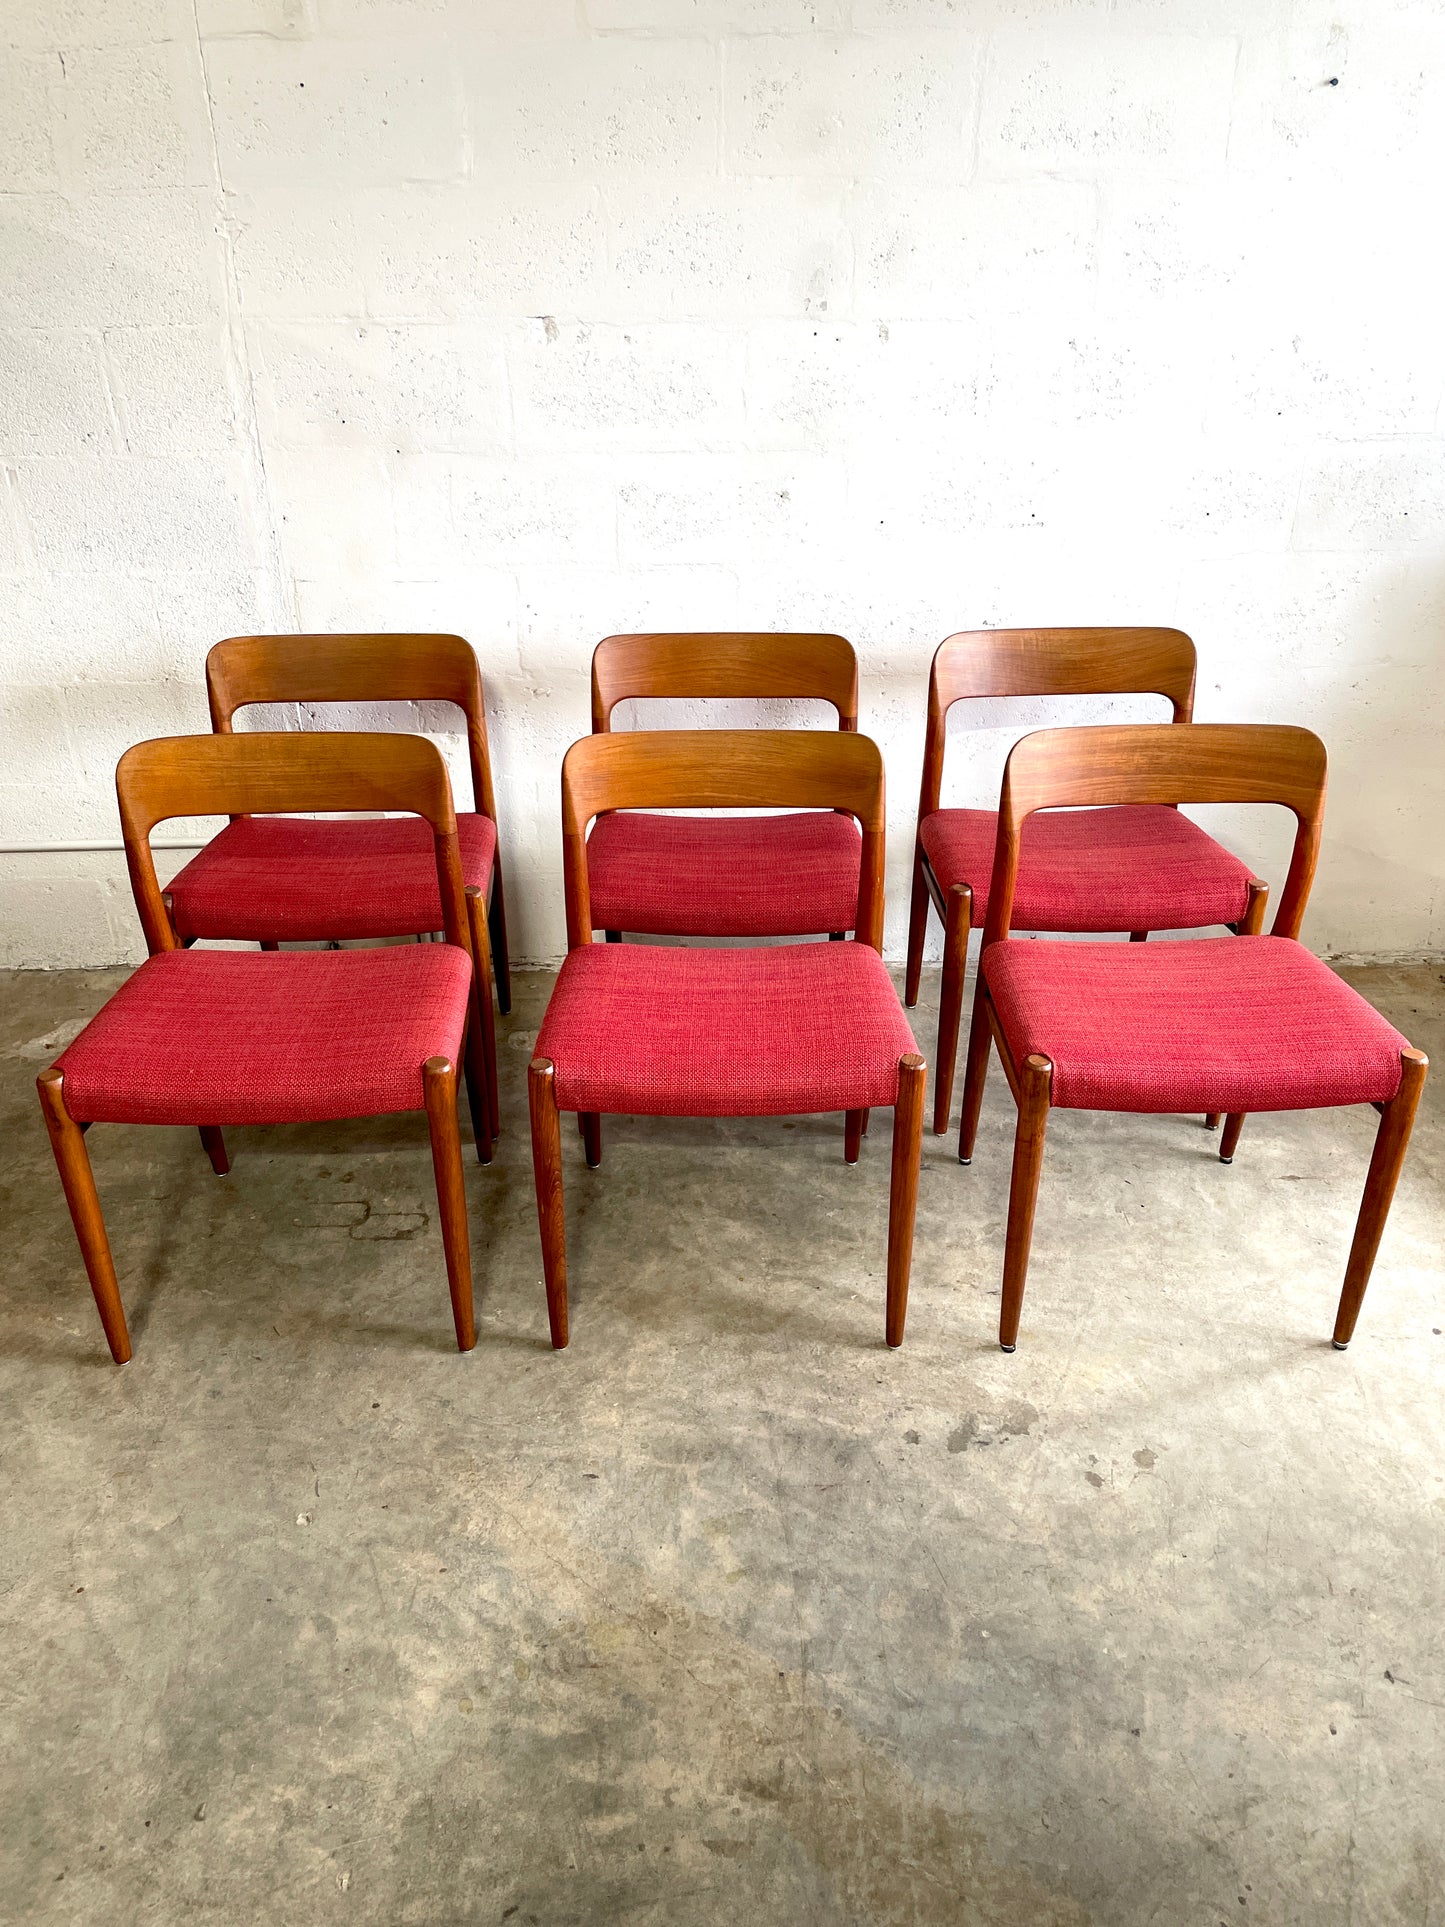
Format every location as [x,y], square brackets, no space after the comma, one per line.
[917,929]
[1391,1142]
[439,1086]
[903,1189]
[497,924]
[215,1144]
[975,1076]
[73,1160]
[547,1168]
[486,1028]
[950,1000]
[1035,1082]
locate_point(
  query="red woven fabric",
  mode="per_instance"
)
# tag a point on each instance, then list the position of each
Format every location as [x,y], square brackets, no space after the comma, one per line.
[289,879]
[1215,1024]
[269,1037]
[1140,867]
[724,1033]
[724,876]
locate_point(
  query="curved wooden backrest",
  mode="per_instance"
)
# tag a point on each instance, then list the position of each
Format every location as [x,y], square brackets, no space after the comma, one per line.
[264,772]
[719,769]
[354,669]
[1094,766]
[1051,662]
[727,663]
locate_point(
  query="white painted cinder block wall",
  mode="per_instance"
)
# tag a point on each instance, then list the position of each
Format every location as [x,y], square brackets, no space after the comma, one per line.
[538,319]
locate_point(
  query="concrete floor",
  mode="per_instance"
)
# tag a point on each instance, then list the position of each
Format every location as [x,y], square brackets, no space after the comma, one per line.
[727,1614]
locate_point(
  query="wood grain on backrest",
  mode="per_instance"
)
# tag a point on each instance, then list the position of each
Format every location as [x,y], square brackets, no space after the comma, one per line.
[702,769]
[1100,765]
[742,663]
[355,669]
[265,772]
[1050,662]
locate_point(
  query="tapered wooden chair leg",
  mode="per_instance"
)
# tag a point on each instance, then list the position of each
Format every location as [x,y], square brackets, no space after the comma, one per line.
[1249,925]
[439,1084]
[903,1189]
[482,963]
[547,1167]
[852,1136]
[1391,1142]
[497,928]
[917,931]
[1229,1138]
[592,1138]
[73,1160]
[950,1000]
[268,943]
[1138,936]
[1211,1120]
[613,936]
[975,1076]
[1035,1079]
[215,1143]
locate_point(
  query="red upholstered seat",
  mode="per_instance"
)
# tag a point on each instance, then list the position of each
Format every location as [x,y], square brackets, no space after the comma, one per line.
[1212,1024]
[293,879]
[1138,867]
[724,1033]
[724,876]
[269,1037]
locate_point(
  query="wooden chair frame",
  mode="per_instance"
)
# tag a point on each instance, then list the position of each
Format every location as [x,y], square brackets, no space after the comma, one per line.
[977,663]
[265,773]
[724,769]
[365,668]
[725,663]
[1093,767]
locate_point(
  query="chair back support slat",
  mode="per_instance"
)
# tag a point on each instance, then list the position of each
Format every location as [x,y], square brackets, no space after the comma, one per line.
[708,769]
[354,669]
[1050,662]
[274,772]
[1101,765]
[726,664]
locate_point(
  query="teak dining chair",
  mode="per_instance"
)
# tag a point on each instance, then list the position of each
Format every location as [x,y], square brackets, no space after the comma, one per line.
[273,880]
[1136,870]
[759,1032]
[1227,1024]
[218,1037]
[762,876]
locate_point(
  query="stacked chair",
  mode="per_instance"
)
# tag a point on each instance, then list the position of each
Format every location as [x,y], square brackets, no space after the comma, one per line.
[1089,839]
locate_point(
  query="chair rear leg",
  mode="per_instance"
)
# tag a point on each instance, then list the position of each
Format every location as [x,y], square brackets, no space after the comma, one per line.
[917,931]
[215,1145]
[613,936]
[1211,1120]
[1391,1142]
[592,1138]
[73,1160]
[1249,925]
[547,1168]
[482,961]
[1229,1139]
[852,1136]
[268,943]
[1138,936]
[903,1189]
[439,1084]
[980,1041]
[1035,1080]
[497,925]
[950,1000]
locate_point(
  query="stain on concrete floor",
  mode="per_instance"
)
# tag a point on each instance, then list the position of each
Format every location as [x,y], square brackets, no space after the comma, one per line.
[726,1614]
